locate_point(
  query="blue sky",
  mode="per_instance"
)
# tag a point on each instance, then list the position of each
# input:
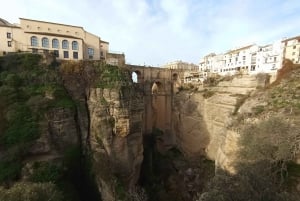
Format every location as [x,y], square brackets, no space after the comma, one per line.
[154,32]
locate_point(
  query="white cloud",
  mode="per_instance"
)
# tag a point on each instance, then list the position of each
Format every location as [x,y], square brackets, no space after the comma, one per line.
[158,31]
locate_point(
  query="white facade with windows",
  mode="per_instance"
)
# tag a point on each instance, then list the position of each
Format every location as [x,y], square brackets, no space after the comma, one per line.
[251,59]
[64,41]
[267,59]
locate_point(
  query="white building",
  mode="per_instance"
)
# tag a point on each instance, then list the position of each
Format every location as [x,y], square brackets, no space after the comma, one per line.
[267,59]
[251,59]
[207,63]
[237,60]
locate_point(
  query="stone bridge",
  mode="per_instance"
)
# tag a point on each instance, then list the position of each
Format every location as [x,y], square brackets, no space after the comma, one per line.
[158,85]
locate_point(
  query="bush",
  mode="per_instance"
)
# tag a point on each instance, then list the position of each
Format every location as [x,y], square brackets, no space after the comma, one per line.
[9,170]
[208,93]
[22,126]
[273,140]
[31,192]
[46,172]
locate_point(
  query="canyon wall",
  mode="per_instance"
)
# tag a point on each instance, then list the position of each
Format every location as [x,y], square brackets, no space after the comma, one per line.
[110,116]
[202,123]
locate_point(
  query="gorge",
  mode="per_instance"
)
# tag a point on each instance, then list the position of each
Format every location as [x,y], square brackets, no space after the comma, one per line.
[85,131]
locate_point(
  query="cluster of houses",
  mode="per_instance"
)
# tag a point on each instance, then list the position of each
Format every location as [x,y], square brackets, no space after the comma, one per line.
[253,59]
[68,42]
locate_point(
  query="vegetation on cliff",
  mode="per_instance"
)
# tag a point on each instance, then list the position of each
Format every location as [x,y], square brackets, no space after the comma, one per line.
[32,95]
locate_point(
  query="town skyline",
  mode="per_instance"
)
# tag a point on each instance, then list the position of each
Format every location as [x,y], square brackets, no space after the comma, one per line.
[153,32]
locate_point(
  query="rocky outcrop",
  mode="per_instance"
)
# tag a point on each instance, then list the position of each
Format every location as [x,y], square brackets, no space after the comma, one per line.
[115,137]
[203,125]
[109,119]
[189,124]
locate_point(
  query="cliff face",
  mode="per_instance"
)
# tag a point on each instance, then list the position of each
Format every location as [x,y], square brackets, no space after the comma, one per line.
[64,123]
[203,122]
[110,117]
[115,137]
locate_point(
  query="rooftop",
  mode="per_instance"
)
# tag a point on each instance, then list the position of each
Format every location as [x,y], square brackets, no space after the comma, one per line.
[4,23]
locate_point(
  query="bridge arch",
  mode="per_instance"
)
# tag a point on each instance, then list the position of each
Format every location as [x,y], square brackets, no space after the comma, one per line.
[136,76]
[175,77]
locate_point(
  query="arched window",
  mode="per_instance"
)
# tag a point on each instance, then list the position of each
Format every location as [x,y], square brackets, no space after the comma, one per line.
[45,42]
[34,41]
[74,45]
[65,44]
[55,43]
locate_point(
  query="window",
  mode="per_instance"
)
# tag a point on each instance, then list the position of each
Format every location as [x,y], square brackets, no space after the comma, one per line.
[9,43]
[294,47]
[275,58]
[34,41]
[74,45]
[66,54]
[90,53]
[8,35]
[294,53]
[45,42]
[75,55]
[55,43]
[65,44]
[56,53]
[244,57]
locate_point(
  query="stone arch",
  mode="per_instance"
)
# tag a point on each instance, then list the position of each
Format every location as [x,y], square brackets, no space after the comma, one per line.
[136,76]
[175,77]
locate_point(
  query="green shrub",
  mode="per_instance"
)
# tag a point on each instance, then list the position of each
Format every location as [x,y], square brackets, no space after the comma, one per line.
[258,109]
[9,170]
[31,192]
[46,172]
[208,93]
[22,126]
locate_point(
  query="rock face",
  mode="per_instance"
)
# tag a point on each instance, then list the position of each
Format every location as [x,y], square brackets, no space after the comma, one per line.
[110,124]
[202,125]
[115,137]
[189,124]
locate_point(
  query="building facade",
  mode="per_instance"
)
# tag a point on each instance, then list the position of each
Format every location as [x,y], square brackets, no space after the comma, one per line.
[267,59]
[252,59]
[64,41]
[180,65]
[292,49]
